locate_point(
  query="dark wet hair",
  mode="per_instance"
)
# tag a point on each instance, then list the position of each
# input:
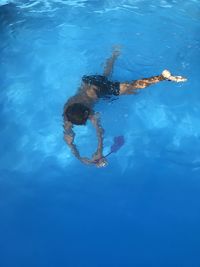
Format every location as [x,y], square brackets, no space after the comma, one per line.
[77,113]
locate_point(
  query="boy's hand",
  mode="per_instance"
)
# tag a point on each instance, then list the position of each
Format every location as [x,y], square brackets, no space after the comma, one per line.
[101,163]
[99,160]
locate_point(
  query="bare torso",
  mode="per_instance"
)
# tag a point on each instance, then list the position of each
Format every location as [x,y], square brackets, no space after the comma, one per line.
[86,95]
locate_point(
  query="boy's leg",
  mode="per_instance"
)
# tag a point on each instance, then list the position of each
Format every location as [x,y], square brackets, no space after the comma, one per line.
[110,61]
[130,88]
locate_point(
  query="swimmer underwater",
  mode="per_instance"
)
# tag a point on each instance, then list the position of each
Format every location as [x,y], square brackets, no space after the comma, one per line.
[79,108]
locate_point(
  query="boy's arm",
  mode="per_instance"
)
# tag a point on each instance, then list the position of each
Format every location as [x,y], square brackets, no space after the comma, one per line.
[69,138]
[99,131]
[98,157]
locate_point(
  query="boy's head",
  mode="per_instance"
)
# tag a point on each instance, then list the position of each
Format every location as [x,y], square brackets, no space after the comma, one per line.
[77,113]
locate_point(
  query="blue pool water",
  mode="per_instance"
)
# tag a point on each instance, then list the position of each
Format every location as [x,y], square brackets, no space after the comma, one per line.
[143,209]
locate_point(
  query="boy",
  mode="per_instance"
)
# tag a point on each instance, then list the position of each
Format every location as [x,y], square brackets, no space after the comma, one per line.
[79,108]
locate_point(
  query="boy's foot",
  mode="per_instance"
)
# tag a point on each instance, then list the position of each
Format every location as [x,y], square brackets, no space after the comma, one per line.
[116,50]
[168,76]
